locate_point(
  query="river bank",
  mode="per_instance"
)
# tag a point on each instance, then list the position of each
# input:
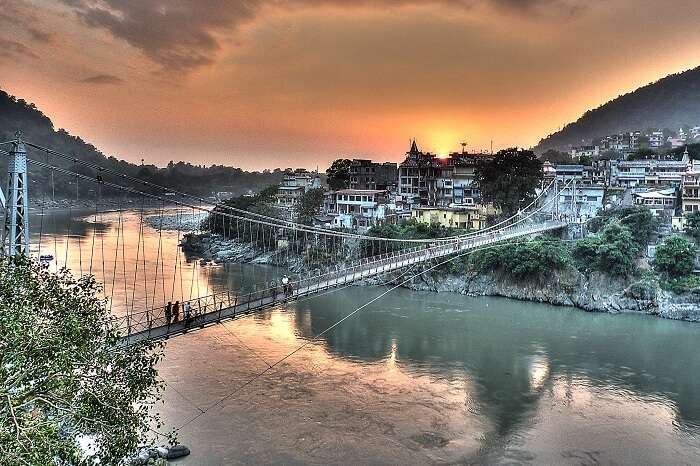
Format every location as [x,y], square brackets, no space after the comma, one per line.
[594,292]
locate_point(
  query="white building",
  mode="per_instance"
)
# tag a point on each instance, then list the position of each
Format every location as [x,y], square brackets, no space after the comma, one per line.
[584,151]
[660,202]
[587,202]
[359,208]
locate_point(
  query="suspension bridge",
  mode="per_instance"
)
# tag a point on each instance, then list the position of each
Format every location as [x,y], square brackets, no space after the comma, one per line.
[122,239]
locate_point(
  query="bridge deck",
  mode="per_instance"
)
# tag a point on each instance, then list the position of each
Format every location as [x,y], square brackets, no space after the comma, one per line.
[212,309]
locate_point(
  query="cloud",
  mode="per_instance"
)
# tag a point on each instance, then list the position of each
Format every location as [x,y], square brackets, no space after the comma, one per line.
[103,79]
[10,49]
[184,35]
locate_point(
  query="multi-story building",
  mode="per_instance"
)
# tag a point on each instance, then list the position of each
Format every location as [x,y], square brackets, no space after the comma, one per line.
[428,180]
[365,174]
[582,200]
[690,192]
[649,172]
[660,201]
[359,208]
[293,186]
[568,172]
[656,139]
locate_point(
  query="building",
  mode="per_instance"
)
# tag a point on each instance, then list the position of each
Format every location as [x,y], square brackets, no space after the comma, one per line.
[690,192]
[359,208]
[568,172]
[649,172]
[660,201]
[430,181]
[293,186]
[656,139]
[365,174]
[587,202]
[584,151]
[467,217]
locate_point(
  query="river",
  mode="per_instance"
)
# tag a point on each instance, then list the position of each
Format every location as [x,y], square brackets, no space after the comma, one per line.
[414,378]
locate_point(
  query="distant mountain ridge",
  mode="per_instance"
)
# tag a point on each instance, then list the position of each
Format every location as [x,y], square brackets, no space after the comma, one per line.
[17,114]
[670,102]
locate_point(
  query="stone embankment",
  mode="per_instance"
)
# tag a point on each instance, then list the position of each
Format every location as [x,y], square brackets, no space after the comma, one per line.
[594,293]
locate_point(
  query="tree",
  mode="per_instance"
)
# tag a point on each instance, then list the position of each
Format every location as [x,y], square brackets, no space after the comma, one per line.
[692,225]
[339,174]
[510,180]
[64,376]
[643,153]
[675,257]
[309,205]
[556,157]
[617,250]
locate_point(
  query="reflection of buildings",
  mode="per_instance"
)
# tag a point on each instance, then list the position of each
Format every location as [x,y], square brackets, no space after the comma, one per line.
[509,372]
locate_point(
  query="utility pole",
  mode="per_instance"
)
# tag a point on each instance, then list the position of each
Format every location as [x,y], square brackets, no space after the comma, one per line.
[15,237]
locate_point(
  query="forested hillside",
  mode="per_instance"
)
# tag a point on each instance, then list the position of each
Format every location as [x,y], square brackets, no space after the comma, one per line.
[671,102]
[36,127]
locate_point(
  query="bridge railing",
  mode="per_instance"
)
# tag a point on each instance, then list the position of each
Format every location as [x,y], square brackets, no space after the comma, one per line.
[312,282]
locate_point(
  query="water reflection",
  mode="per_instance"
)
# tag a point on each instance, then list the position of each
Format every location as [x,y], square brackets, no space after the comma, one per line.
[516,352]
[138,266]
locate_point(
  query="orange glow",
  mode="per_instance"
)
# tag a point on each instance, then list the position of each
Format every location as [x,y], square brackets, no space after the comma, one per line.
[301,86]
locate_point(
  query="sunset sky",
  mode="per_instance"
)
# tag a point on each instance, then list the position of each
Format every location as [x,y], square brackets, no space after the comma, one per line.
[274,83]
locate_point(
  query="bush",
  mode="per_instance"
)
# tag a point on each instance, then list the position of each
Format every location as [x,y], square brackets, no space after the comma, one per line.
[692,225]
[638,219]
[675,257]
[64,376]
[612,251]
[535,257]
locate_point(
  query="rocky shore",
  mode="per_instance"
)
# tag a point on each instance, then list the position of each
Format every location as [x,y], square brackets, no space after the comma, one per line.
[594,293]
[182,222]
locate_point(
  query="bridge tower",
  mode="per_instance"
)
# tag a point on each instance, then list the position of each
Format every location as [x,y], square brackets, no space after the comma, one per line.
[15,238]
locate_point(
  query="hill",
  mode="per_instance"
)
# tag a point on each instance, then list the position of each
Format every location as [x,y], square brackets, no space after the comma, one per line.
[38,128]
[671,102]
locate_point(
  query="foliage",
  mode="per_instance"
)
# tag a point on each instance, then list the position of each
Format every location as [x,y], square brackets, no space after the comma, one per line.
[194,179]
[675,257]
[64,376]
[556,157]
[339,174]
[612,251]
[411,229]
[681,284]
[642,154]
[638,219]
[309,205]
[235,225]
[510,180]
[692,225]
[535,257]
[668,103]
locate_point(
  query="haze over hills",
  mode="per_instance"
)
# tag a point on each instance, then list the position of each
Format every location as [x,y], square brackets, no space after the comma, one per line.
[182,176]
[671,102]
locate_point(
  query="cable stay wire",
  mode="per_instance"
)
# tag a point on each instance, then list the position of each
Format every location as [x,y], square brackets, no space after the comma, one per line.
[331,327]
[275,221]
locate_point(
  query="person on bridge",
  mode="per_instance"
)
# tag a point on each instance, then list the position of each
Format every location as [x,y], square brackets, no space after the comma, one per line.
[286,286]
[169,312]
[187,311]
[176,311]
